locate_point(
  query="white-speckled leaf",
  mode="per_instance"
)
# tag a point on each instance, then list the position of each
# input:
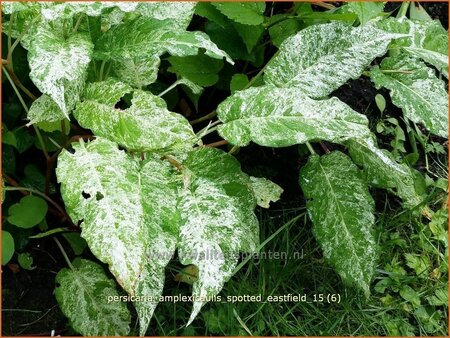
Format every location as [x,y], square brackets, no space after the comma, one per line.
[145,37]
[415,88]
[321,58]
[44,109]
[180,13]
[383,171]
[58,65]
[9,7]
[137,72]
[146,126]
[158,185]
[279,117]
[265,191]
[427,40]
[341,209]
[66,10]
[128,214]
[83,295]
[218,222]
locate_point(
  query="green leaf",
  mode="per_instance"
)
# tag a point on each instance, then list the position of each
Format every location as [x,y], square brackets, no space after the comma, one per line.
[247,13]
[58,65]
[85,295]
[427,40]
[341,209]
[250,36]
[321,58]
[383,171]
[279,117]
[146,37]
[366,10]
[410,295]
[282,28]
[7,247]
[146,126]
[217,220]
[30,211]
[415,88]
[265,191]
[45,109]
[26,261]
[200,69]
[128,214]
[238,82]
[76,242]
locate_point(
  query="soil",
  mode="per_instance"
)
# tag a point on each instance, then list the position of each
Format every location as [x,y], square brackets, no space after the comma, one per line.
[28,302]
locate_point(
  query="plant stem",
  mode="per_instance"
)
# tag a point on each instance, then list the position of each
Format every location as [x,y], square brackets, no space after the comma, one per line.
[310,148]
[403,9]
[8,76]
[168,89]
[216,144]
[63,133]
[38,133]
[77,24]
[263,244]
[324,5]
[204,118]
[173,162]
[233,150]
[11,20]
[64,253]
[41,141]
[102,68]
[44,196]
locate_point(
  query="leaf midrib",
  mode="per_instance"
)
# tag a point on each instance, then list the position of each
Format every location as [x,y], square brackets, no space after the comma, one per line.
[333,194]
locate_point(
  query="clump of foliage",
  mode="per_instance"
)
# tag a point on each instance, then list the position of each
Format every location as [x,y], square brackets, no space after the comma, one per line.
[137,177]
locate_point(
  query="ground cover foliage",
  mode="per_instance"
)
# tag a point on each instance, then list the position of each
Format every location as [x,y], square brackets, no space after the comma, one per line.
[150,149]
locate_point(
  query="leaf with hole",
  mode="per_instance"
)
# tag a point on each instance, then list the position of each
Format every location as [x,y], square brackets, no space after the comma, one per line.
[145,126]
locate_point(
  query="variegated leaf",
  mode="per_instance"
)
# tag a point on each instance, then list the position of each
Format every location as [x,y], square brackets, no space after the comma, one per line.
[58,65]
[321,58]
[217,220]
[427,40]
[85,296]
[127,222]
[145,37]
[265,191]
[66,10]
[180,13]
[383,171]
[146,126]
[279,117]
[341,209]
[44,109]
[137,72]
[415,88]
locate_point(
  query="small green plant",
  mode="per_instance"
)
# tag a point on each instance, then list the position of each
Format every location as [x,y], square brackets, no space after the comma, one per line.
[143,185]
